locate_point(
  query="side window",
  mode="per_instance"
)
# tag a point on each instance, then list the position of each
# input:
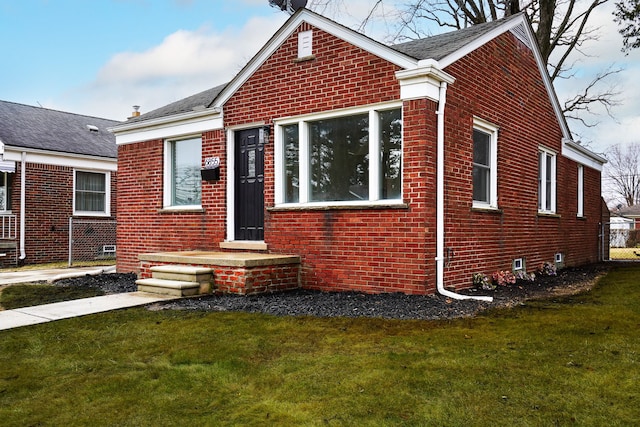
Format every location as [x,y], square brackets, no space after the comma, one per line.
[182,182]
[5,191]
[546,181]
[92,193]
[580,191]
[485,165]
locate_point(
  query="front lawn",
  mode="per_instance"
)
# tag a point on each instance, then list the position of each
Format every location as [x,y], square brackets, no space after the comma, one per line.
[567,361]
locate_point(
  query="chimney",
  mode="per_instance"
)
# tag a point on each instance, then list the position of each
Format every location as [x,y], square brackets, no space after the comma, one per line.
[135,113]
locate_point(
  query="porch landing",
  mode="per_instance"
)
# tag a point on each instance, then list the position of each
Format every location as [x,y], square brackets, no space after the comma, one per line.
[241,273]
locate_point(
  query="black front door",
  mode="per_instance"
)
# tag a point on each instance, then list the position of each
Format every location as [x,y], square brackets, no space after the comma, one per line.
[249,185]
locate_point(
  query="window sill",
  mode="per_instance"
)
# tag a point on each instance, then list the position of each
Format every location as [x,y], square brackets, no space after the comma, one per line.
[549,215]
[487,209]
[581,217]
[92,214]
[186,209]
[324,207]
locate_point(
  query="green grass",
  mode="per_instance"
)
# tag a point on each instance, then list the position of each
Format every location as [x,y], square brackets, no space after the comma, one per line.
[568,361]
[17,296]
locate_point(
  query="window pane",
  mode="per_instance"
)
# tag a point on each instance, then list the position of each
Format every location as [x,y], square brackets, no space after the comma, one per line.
[292,164]
[90,192]
[481,148]
[339,159]
[481,166]
[481,181]
[186,158]
[391,153]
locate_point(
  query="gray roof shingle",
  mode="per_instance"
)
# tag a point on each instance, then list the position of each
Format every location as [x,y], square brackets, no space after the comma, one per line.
[29,127]
[195,102]
[440,46]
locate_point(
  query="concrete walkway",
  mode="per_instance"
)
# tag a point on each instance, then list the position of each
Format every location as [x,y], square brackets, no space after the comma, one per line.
[63,310]
[81,307]
[50,274]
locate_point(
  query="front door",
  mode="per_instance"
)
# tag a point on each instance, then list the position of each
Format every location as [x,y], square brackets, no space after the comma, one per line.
[249,185]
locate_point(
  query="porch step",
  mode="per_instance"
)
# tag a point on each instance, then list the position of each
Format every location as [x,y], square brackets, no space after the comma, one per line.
[168,287]
[177,280]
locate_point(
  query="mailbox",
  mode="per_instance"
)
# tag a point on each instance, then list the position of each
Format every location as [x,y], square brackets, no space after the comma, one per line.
[211,170]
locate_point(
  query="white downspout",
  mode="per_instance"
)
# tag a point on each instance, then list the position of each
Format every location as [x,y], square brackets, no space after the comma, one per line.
[23,200]
[440,204]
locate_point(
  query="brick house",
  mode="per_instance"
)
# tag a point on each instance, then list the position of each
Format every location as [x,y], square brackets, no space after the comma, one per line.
[54,166]
[402,168]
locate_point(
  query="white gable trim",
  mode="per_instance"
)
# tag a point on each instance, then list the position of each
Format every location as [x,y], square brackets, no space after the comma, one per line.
[324,24]
[423,81]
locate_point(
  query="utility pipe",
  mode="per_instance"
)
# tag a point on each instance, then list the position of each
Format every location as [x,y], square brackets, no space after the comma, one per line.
[23,201]
[440,204]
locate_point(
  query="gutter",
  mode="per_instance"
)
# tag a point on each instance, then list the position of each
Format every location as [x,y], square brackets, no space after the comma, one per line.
[23,201]
[440,205]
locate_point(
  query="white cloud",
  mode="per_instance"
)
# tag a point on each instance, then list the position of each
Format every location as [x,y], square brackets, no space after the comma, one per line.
[186,62]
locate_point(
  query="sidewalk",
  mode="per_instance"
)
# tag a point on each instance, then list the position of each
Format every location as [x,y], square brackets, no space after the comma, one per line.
[63,310]
[50,274]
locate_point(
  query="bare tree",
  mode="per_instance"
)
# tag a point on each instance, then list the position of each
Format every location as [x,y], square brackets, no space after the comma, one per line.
[561,29]
[622,174]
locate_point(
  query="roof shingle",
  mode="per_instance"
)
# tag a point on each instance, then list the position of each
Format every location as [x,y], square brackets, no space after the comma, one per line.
[29,127]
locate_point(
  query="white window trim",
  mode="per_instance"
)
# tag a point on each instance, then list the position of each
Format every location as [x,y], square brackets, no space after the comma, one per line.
[167,193]
[542,171]
[107,194]
[374,153]
[580,209]
[491,130]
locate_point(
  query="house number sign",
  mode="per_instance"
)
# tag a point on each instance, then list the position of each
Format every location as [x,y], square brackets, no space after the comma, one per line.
[211,162]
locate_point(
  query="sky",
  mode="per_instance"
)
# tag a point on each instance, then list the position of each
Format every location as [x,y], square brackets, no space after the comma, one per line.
[101,57]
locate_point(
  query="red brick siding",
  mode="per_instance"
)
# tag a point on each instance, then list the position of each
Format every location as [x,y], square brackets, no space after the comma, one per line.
[506,90]
[49,205]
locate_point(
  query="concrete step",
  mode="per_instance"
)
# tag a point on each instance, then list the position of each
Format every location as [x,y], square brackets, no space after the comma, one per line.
[183,273]
[176,288]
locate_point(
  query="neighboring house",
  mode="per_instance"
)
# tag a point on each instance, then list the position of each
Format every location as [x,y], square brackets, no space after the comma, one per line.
[402,168]
[53,166]
[631,214]
[624,225]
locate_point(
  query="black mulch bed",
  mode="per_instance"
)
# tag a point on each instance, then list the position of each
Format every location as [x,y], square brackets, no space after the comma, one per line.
[353,304]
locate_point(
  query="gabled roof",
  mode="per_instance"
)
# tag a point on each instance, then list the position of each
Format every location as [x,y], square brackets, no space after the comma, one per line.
[436,52]
[36,128]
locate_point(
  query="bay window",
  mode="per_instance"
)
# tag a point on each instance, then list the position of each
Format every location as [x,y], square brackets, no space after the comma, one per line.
[331,159]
